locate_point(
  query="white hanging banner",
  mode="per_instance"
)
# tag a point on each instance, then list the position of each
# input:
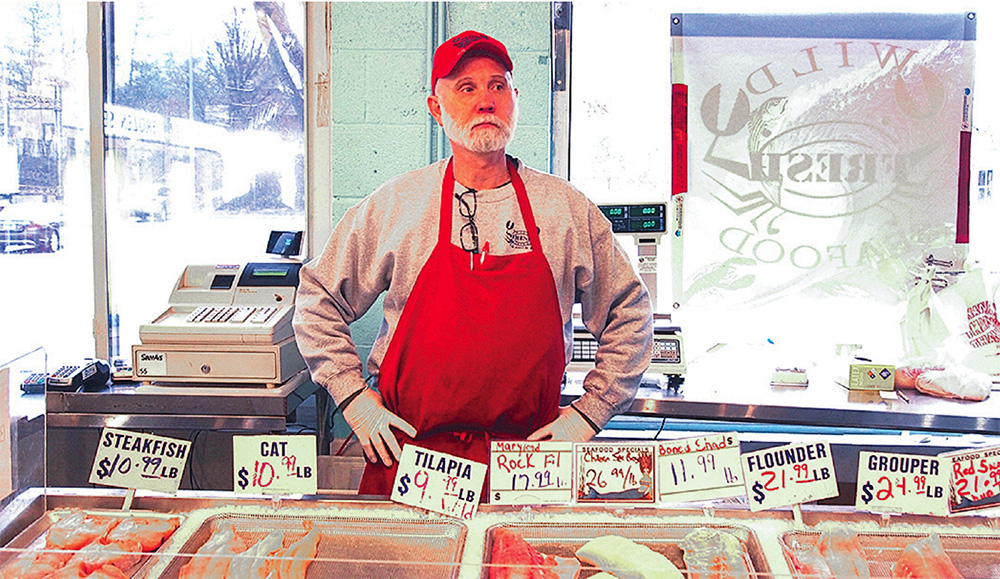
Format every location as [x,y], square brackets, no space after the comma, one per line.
[826,154]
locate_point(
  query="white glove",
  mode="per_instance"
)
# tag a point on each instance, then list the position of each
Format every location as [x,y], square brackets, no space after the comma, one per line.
[569,425]
[371,422]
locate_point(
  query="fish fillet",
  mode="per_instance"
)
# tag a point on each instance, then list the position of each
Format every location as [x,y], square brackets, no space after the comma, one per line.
[108,573]
[151,532]
[626,559]
[32,565]
[843,552]
[212,560]
[257,561]
[123,555]
[809,563]
[71,571]
[713,554]
[514,558]
[925,559]
[78,530]
[294,561]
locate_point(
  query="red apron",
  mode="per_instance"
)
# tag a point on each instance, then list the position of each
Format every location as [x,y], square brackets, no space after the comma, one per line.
[476,354]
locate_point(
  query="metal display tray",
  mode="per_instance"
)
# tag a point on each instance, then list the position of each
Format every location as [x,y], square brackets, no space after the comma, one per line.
[563,539]
[348,547]
[975,556]
[32,537]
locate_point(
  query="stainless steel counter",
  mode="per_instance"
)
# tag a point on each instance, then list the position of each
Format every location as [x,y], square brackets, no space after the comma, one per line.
[734,385]
[209,416]
[552,529]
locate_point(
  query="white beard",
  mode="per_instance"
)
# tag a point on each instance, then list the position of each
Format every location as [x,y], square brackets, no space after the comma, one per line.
[485,139]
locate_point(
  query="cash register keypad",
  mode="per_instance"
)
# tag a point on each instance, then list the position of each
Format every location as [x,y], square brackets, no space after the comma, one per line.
[232,314]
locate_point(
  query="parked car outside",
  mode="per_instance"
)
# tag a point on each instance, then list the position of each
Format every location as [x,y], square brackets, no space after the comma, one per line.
[30,228]
[151,202]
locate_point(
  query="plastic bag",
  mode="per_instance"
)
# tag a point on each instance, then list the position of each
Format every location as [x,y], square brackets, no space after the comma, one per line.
[957,324]
[957,382]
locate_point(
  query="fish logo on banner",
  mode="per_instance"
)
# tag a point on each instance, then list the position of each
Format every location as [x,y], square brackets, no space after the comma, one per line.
[795,141]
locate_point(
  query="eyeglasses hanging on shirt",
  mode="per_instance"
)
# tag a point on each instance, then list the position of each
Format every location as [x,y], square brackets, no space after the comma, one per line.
[469,234]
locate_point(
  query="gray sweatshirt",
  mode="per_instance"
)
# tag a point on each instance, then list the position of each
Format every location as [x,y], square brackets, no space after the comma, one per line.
[382,243]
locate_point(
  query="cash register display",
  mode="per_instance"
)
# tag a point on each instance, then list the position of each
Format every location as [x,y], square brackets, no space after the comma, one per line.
[223,282]
[270,274]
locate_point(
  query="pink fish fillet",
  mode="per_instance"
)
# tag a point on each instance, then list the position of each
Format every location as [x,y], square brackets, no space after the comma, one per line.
[842,551]
[925,559]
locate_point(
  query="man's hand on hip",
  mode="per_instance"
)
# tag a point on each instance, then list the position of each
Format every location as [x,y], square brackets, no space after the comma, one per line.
[569,425]
[372,423]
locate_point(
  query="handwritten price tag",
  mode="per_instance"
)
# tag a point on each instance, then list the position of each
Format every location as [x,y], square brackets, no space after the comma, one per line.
[531,473]
[135,460]
[902,483]
[975,479]
[789,475]
[615,473]
[701,468]
[439,482]
[274,464]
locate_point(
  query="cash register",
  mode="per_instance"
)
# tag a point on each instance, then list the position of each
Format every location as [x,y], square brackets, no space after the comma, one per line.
[225,324]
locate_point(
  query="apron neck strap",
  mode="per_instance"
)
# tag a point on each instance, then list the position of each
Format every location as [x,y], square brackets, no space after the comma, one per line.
[522,201]
[448,190]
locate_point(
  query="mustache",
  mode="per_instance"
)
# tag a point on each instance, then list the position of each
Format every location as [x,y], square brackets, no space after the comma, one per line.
[487,119]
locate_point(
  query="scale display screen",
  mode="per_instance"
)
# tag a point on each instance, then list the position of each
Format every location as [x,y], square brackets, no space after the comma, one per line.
[667,350]
[637,218]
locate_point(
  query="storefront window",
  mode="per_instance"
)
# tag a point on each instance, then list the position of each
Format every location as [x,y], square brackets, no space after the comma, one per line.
[45,237]
[204,120]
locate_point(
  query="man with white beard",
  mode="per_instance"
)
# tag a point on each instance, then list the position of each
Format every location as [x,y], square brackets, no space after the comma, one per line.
[481,259]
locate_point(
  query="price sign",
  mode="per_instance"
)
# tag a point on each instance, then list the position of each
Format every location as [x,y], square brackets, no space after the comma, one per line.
[274,464]
[439,482]
[975,479]
[531,473]
[134,460]
[615,473]
[902,483]
[789,475]
[701,468]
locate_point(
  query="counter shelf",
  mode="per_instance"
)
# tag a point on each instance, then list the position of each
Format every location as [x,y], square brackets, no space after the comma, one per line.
[734,384]
[74,421]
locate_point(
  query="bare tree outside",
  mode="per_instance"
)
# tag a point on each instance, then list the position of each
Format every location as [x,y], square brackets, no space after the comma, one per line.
[240,65]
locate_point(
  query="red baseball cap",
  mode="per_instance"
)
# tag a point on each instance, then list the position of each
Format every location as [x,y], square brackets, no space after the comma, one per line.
[452,50]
